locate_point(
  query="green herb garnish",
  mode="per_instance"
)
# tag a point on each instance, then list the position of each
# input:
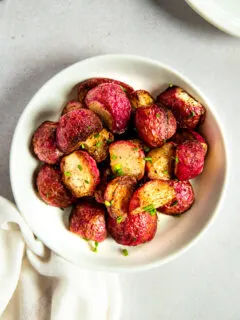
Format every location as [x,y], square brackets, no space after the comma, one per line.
[177,160]
[124,252]
[123,89]
[86,181]
[151,209]
[174,203]
[165,172]
[82,145]
[120,219]
[107,203]
[109,141]
[67,174]
[97,135]
[170,85]
[94,249]
[148,159]
[113,157]
[98,144]
[118,170]
[192,114]
[135,149]
[146,149]
[158,115]
[79,167]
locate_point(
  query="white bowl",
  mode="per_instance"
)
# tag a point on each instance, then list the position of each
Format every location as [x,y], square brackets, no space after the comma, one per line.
[174,235]
[223,14]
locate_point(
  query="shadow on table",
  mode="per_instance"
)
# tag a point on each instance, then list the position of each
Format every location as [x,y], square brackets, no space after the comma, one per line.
[181,11]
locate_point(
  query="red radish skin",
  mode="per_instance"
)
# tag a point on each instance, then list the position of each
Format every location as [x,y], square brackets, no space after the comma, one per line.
[189,161]
[51,188]
[74,127]
[184,198]
[87,220]
[72,105]
[110,102]
[154,125]
[183,135]
[89,84]
[187,111]
[136,229]
[44,143]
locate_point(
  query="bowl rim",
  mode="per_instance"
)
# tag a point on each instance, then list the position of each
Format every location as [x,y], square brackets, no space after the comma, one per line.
[190,244]
[212,20]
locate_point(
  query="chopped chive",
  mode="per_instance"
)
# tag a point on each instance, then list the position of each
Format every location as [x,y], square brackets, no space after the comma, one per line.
[119,219]
[85,239]
[192,114]
[109,141]
[170,85]
[119,173]
[97,135]
[86,181]
[158,115]
[107,203]
[135,149]
[174,203]
[165,172]
[123,89]
[94,248]
[67,174]
[148,159]
[82,146]
[113,157]
[146,149]
[98,144]
[117,167]
[150,208]
[124,252]
[177,160]
[79,167]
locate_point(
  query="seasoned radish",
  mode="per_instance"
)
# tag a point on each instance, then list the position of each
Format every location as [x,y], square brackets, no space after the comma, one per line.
[87,220]
[184,198]
[189,161]
[76,126]
[154,125]
[160,162]
[150,196]
[141,98]
[127,158]
[80,173]
[51,188]
[44,143]
[111,103]
[97,144]
[89,84]
[134,230]
[183,135]
[72,105]
[187,111]
[117,196]
[106,176]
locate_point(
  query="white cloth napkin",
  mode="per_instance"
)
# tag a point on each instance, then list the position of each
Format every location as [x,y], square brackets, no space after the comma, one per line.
[37,284]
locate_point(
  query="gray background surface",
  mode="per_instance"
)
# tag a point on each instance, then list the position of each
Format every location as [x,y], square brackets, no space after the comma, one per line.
[39,38]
